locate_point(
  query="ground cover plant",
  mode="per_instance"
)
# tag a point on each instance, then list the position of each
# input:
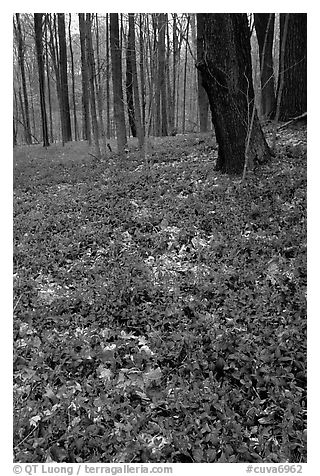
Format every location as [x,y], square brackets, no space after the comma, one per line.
[162,317]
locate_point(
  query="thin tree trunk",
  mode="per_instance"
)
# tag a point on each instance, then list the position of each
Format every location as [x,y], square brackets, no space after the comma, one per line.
[98,86]
[66,129]
[117,83]
[281,77]
[86,129]
[93,108]
[48,80]
[21,48]
[142,72]
[39,49]
[75,122]
[129,87]
[53,44]
[132,46]
[185,78]
[162,73]
[107,77]
[264,26]
[203,102]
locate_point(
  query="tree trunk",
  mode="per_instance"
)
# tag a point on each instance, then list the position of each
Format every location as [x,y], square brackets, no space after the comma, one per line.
[129,87]
[264,25]
[55,62]
[294,94]
[66,129]
[203,102]
[91,68]
[185,78]
[142,72]
[162,73]
[98,86]
[48,79]
[39,50]
[107,77]
[117,83]
[227,77]
[21,48]
[132,46]
[75,122]
[86,130]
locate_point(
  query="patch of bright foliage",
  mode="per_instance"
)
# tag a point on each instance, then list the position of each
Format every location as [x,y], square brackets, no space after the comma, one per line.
[162,318]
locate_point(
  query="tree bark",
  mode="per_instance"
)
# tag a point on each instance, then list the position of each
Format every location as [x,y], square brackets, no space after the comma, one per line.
[142,72]
[227,78]
[75,122]
[66,124]
[21,48]
[162,73]
[132,46]
[107,77]
[294,93]
[203,102]
[129,87]
[117,83]
[92,99]
[39,50]
[264,25]
[86,130]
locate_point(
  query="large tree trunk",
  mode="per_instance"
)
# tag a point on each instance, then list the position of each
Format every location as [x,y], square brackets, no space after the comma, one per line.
[86,130]
[39,49]
[117,83]
[227,78]
[264,25]
[66,124]
[294,94]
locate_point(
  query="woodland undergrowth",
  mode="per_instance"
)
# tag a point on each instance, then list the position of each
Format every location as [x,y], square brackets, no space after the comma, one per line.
[159,317]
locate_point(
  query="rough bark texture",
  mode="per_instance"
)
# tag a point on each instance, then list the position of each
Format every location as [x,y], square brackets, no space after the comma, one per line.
[264,25]
[117,83]
[66,122]
[294,93]
[39,49]
[203,102]
[227,78]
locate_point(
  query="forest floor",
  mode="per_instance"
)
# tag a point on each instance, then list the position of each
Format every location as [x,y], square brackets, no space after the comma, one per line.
[162,318]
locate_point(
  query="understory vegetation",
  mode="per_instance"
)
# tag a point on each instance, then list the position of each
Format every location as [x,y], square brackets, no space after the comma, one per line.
[159,317]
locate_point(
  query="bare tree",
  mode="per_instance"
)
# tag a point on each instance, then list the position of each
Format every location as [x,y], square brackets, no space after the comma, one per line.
[86,130]
[75,122]
[117,83]
[132,46]
[21,48]
[264,26]
[39,49]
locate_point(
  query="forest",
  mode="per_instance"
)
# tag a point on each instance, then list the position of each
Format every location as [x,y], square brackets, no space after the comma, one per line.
[159,238]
